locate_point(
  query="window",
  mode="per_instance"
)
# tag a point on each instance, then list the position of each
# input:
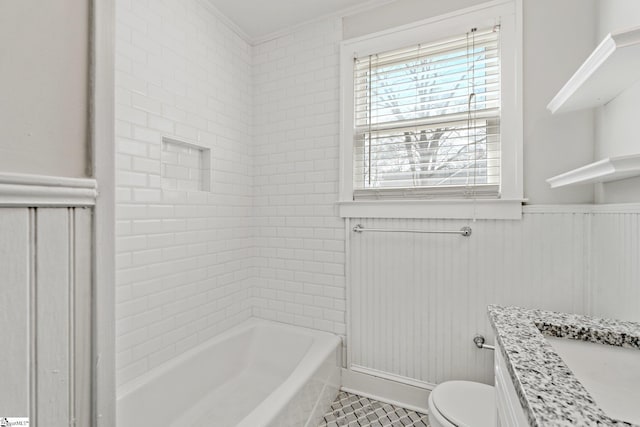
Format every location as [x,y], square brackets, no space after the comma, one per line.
[427,118]
[432,112]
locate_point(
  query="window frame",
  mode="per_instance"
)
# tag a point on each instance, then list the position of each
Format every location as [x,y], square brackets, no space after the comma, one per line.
[508,205]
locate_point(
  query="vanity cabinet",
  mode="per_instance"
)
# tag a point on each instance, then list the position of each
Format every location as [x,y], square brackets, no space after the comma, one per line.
[510,412]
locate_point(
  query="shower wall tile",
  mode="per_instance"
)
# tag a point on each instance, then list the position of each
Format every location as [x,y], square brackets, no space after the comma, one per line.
[300,255]
[183,257]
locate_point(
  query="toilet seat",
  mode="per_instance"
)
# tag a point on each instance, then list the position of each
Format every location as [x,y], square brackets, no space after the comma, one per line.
[435,418]
[464,404]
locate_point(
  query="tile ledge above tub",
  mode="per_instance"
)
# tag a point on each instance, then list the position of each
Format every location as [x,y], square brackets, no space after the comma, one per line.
[30,190]
[548,391]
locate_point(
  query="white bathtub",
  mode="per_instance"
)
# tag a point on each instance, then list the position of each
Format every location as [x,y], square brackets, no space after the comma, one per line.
[256,374]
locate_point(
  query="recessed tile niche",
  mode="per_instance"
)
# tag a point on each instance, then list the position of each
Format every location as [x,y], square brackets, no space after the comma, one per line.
[185,166]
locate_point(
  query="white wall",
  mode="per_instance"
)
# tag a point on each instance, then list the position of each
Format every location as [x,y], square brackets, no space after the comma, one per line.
[299,237]
[550,259]
[183,257]
[44,64]
[46,264]
[300,240]
[616,253]
[617,121]
[558,37]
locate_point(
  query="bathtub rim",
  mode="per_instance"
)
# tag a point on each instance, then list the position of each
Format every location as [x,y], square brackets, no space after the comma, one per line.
[321,340]
[324,346]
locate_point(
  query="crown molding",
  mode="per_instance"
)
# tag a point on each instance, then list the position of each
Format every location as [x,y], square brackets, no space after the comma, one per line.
[349,11]
[228,22]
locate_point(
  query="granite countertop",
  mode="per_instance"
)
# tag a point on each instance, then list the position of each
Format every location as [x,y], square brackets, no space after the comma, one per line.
[548,391]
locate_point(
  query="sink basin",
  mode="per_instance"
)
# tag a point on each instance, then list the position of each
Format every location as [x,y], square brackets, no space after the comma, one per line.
[609,373]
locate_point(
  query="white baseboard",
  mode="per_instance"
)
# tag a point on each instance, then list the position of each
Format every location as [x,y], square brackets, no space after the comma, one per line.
[386,390]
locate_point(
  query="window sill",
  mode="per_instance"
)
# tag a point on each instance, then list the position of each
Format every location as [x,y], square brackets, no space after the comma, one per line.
[451,209]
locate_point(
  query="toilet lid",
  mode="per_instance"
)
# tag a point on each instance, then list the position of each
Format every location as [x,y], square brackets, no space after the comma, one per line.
[466,403]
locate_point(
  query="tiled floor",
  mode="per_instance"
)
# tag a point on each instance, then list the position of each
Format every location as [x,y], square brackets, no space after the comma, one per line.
[352,410]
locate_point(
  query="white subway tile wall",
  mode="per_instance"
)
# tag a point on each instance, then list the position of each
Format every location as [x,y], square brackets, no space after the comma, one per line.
[183,256]
[299,238]
[266,240]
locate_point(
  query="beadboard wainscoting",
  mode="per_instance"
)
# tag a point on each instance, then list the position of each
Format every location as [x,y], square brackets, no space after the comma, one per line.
[615,260]
[417,300]
[45,313]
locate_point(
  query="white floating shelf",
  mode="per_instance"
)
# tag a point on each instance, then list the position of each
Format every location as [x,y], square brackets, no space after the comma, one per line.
[612,67]
[605,170]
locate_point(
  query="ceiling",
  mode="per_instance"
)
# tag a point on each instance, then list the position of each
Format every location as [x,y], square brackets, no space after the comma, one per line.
[260,18]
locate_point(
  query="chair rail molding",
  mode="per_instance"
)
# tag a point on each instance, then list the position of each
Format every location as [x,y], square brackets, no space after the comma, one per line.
[26,190]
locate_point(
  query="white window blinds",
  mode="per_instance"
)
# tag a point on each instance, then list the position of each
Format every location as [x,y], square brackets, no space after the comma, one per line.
[427,119]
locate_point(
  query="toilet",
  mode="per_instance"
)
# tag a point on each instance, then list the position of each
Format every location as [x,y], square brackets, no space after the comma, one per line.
[462,404]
